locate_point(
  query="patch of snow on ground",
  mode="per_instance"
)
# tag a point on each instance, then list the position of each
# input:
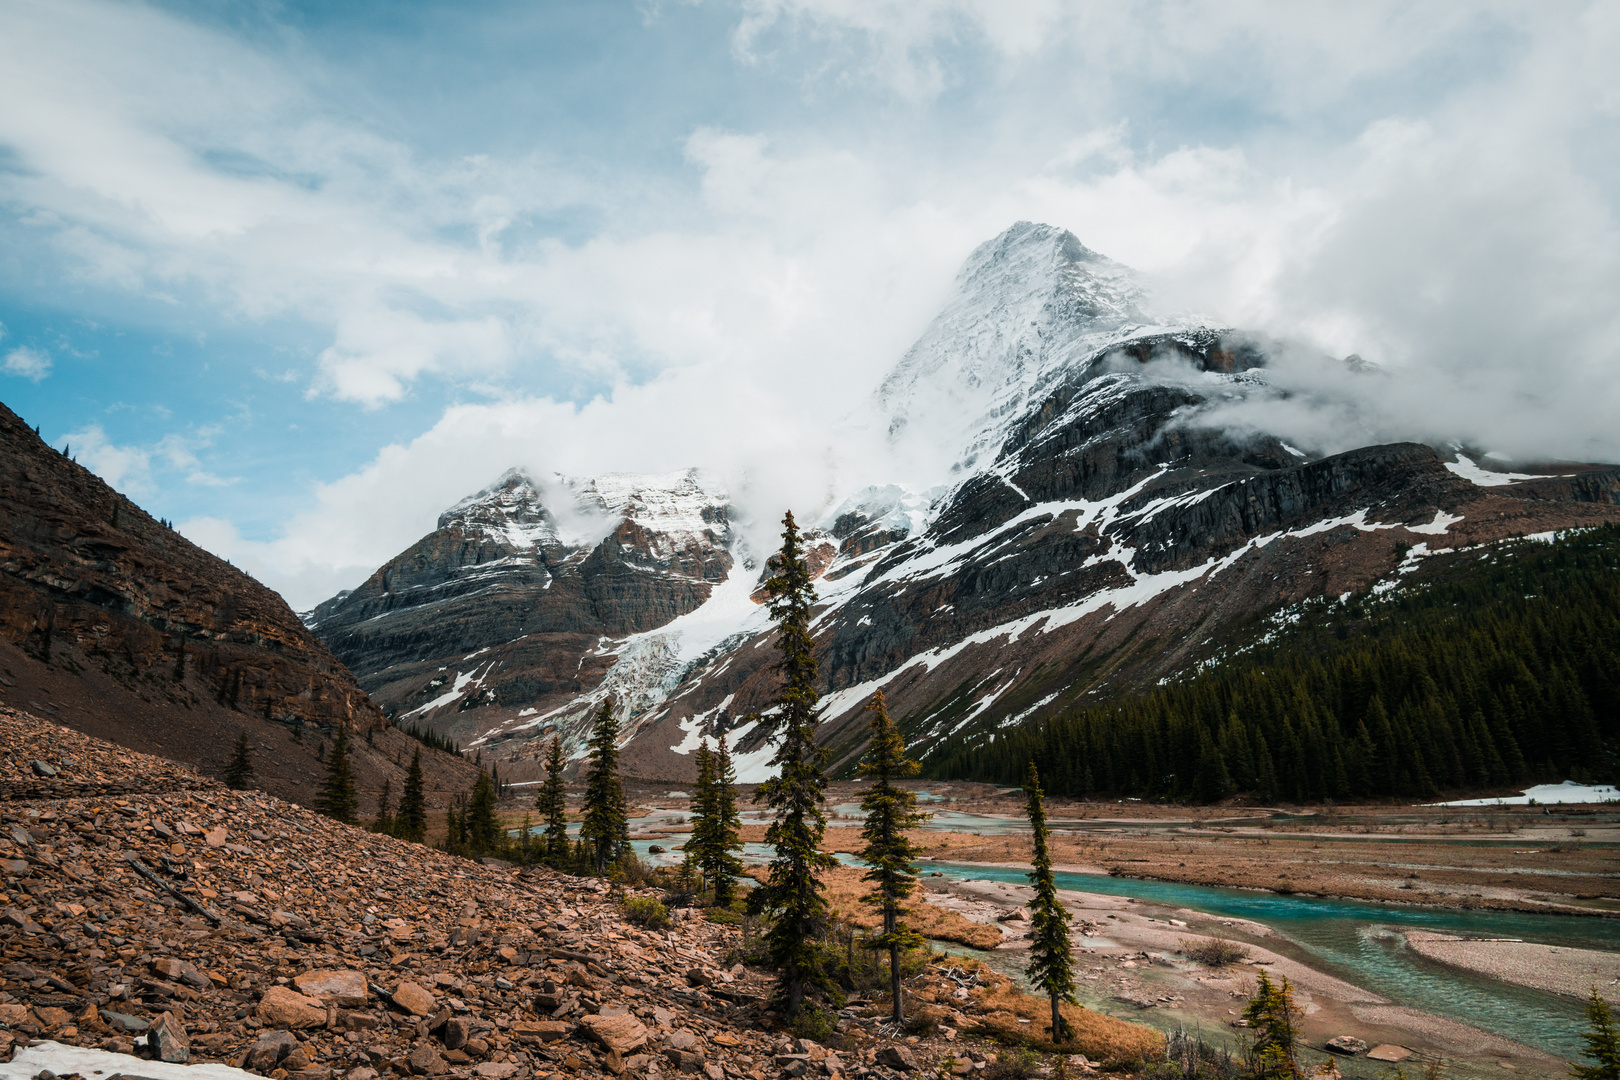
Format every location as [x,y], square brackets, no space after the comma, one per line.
[1468,470]
[1545,794]
[61,1060]
[1442,521]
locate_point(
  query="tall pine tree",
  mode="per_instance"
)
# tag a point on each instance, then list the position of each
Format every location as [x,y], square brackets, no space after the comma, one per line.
[890,811]
[607,821]
[338,798]
[553,806]
[702,812]
[1051,962]
[411,822]
[793,896]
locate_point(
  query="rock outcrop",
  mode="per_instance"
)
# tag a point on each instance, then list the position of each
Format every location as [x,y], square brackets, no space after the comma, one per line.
[507,608]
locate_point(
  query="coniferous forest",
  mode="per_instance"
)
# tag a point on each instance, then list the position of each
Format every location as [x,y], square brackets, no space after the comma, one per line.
[1502,669]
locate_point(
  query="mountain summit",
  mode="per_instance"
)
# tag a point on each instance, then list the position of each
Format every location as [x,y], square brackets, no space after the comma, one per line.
[1094,535]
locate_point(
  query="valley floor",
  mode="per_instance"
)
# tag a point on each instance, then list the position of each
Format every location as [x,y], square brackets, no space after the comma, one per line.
[1494,861]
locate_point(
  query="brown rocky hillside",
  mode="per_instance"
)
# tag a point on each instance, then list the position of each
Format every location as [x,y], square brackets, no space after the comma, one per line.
[117,626]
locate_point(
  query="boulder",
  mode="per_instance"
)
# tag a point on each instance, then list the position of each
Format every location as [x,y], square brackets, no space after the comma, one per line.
[620,1034]
[345,988]
[270,1050]
[897,1057]
[181,971]
[1346,1044]
[413,999]
[284,1008]
[1388,1052]
[425,1060]
[167,1039]
[457,1031]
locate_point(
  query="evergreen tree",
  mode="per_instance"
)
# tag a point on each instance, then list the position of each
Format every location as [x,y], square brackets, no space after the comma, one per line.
[239,771]
[890,811]
[702,806]
[1270,1014]
[552,802]
[726,841]
[1602,1042]
[793,896]
[385,810]
[553,806]
[716,828]
[411,823]
[606,825]
[338,798]
[1051,963]
[482,826]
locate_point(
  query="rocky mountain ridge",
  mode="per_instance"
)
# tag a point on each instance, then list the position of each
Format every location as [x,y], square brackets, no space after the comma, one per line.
[1090,532]
[116,625]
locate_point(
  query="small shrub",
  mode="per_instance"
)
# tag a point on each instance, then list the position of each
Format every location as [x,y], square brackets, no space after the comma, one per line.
[722,916]
[814,1023]
[646,912]
[1214,952]
[1016,1063]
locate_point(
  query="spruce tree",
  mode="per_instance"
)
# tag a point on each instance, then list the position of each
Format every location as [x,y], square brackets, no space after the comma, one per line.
[793,896]
[606,826]
[702,807]
[338,798]
[1602,1042]
[411,823]
[239,771]
[482,826]
[553,805]
[890,811]
[1051,961]
[716,827]
[385,809]
[726,843]
[1270,1014]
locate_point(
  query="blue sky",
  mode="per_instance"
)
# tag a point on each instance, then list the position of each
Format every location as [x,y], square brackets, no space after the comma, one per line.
[300,275]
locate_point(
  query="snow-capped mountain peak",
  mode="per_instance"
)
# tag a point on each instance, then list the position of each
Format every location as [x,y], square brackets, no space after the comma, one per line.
[1030,306]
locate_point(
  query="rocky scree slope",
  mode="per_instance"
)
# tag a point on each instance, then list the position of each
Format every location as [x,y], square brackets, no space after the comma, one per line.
[146,905]
[505,610]
[117,626]
[1096,530]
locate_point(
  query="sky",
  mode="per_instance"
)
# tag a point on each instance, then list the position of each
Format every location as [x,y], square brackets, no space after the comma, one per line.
[298,276]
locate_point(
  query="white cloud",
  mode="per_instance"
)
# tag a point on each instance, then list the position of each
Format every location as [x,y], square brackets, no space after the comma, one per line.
[1413,182]
[27,363]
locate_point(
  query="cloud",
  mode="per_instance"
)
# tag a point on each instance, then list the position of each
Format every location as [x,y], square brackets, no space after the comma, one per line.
[27,363]
[144,470]
[1421,184]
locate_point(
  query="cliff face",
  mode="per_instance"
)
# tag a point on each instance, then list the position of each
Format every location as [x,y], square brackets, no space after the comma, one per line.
[507,608]
[116,625]
[1098,533]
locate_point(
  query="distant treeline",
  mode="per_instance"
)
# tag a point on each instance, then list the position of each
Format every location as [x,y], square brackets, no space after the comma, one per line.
[1505,671]
[432,738]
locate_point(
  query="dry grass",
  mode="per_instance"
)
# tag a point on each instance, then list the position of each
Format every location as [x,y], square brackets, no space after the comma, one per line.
[1002,1007]
[845,889]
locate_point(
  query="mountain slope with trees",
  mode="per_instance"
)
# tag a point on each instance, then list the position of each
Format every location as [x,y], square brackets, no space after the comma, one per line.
[1498,666]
